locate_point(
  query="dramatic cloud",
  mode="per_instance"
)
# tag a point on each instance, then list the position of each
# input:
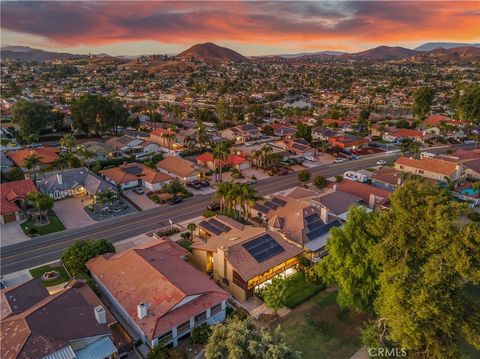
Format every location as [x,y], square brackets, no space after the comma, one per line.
[73,23]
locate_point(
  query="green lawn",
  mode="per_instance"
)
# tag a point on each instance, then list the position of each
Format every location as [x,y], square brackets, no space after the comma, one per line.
[298,290]
[37,273]
[54,225]
[185,243]
[319,329]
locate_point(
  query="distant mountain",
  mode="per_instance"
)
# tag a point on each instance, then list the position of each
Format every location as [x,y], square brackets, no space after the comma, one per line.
[28,54]
[310,54]
[382,53]
[429,46]
[465,54]
[211,53]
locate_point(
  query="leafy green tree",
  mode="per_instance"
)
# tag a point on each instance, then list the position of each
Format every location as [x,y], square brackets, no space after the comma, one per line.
[468,105]
[349,263]
[274,294]
[422,101]
[159,351]
[31,117]
[267,130]
[238,338]
[320,181]
[201,334]
[425,258]
[409,147]
[14,174]
[304,176]
[78,254]
[304,131]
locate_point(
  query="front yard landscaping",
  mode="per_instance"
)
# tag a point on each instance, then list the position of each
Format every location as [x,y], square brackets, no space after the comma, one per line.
[31,227]
[59,274]
[298,290]
[319,328]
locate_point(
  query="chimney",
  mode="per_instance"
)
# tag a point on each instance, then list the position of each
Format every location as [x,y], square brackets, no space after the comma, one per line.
[100,314]
[141,310]
[371,201]
[324,214]
[59,178]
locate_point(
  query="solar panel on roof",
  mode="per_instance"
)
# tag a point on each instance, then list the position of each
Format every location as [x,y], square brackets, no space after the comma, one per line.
[299,147]
[279,202]
[302,141]
[261,208]
[323,230]
[270,205]
[219,225]
[263,248]
[134,170]
[312,218]
[209,228]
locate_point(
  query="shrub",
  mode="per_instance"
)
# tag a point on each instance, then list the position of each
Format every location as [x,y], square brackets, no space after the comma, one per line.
[339,179]
[32,231]
[201,334]
[237,175]
[304,176]
[159,352]
[320,181]
[168,232]
[208,213]
[253,178]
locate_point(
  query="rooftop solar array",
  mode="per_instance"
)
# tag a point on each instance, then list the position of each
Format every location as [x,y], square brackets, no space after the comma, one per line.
[302,141]
[299,146]
[214,226]
[263,248]
[261,208]
[312,218]
[133,170]
[268,205]
[279,201]
[322,230]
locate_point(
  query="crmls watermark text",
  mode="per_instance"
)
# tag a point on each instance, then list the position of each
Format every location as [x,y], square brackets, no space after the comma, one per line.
[387,352]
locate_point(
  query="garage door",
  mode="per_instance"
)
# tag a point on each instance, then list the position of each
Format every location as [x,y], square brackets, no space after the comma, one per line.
[7,218]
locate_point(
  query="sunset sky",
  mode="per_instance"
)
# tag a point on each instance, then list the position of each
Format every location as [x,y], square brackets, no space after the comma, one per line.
[251,28]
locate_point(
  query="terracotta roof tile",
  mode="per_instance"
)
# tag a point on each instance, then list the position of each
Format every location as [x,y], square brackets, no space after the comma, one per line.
[434,165]
[11,191]
[121,175]
[47,155]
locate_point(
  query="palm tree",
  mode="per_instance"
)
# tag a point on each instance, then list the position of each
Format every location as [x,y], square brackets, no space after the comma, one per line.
[450,184]
[191,227]
[220,155]
[202,136]
[84,155]
[266,151]
[188,142]
[42,204]
[409,146]
[105,197]
[476,186]
[31,163]
[67,142]
[257,158]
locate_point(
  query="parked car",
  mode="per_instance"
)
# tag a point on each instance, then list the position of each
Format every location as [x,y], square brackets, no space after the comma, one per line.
[213,206]
[204,183]
[310,158]
[381,162]
[283,172]
[175,200]
[353,158]
[195,184]
[340,160]
[138,190]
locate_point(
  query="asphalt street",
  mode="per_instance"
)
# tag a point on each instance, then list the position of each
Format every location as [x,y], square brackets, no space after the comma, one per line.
[50,247]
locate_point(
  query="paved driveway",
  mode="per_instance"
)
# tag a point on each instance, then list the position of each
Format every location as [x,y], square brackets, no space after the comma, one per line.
[71,212]
[11,233]
[141,200]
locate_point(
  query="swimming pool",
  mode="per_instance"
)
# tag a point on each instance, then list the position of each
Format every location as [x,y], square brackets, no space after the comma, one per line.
[469,191]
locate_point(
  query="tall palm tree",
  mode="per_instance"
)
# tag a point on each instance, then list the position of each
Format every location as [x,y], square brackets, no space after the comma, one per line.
[31,163]
[67,142]
[188,142]
[410,147]
[220,155]
[191,227]
[84,155]
[266,151]
[202,136]
[450,184]
[257,158]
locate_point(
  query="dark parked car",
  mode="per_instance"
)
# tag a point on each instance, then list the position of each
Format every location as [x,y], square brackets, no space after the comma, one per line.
[175,200]
[204,183]
[213,206]
[283,172]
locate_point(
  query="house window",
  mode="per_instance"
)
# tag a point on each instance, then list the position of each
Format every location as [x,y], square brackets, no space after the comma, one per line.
[421,171]
[199,319]
[183,328]
[216,309]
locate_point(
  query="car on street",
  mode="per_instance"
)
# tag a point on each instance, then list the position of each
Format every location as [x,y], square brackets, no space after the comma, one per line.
[283,172]
[175,200]
[353,158]
[340,160]
[138,190]
[310,158]
[213,206]
[381,162]
[194,184]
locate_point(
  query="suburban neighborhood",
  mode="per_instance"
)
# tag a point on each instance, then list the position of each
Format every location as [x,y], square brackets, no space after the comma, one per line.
[206,204]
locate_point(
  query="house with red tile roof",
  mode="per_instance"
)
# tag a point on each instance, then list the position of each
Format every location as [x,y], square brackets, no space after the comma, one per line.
[132,175]
[405,133]
[166,138]
[348,142]
[236,161]
[160,295]
[440,125]
[375,198]
[430,167]
[12,195]
[47,156]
